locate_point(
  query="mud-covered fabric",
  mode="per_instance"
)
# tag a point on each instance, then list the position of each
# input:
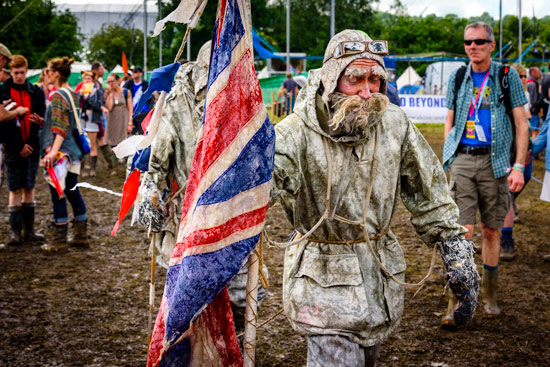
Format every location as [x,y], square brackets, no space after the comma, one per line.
[462,276]
[335,288]
[152,210]
[336,351]
[174,147]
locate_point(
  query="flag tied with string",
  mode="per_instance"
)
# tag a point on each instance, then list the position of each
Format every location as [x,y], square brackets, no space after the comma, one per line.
[224,209]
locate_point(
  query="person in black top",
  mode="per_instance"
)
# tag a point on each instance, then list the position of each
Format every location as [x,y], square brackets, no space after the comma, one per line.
[22,150]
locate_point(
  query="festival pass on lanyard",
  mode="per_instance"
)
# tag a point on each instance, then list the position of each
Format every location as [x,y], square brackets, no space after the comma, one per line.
[473,119]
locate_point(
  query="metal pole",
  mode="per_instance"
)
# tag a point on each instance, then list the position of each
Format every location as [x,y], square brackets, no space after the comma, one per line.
[160,35]
[288,66]
[500,34]
[520,31]
[332,16]
[189,47]
[145,39]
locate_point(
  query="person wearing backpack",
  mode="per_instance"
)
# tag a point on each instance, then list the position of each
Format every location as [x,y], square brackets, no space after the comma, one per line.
[58,139]
[535,100]
[478,137]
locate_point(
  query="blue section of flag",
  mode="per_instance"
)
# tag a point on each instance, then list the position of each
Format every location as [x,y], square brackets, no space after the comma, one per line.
[197,281]
[161,81]
[178,355]
[253,167]
[232,32]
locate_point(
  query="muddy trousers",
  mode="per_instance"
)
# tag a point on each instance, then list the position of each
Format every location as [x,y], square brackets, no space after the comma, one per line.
[336,351]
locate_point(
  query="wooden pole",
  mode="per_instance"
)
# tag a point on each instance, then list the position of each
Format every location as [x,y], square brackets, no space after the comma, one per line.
[151,292]
[251,311]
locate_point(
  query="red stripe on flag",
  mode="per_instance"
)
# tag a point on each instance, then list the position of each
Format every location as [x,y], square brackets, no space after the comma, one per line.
[221,326]
[155,347]
[228,112]
[215,234]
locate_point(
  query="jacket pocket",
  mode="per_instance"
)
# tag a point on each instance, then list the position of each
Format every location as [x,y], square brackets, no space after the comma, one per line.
[327,292]
[394,294]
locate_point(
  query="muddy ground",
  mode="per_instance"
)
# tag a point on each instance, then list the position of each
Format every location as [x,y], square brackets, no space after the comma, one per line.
[89,307]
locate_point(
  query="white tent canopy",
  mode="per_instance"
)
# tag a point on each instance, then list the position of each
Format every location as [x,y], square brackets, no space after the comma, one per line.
[118,69]
[409,77]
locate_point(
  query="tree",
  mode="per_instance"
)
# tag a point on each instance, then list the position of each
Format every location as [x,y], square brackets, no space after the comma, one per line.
[108,44]
[33,29]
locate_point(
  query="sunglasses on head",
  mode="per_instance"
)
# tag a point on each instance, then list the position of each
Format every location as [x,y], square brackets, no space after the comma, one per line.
[478,42]
[347,48]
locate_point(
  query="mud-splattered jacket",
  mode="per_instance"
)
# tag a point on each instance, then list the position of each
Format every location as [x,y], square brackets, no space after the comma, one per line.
[335,288]
[174,146]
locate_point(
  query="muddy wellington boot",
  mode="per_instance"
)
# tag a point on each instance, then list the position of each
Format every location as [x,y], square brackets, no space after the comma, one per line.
[58,243]
[93,166]
[489,282]
[29,235]
[79,238]
[15,213]
[448,320]
[109,156]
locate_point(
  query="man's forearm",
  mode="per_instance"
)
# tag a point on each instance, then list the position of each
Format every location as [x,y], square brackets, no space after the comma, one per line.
[449,123]
[522,134]
[6,115]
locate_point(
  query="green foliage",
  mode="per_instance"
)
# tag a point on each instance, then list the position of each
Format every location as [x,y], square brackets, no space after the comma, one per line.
[33,29]
[111,41]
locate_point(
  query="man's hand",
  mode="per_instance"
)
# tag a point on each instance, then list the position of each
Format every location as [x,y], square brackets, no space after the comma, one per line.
[515,181]
[462,276]
[105,110]
[36,119]
[26,151]
[6,102]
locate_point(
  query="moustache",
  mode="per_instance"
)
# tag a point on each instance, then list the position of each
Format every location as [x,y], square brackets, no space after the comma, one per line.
[353,115]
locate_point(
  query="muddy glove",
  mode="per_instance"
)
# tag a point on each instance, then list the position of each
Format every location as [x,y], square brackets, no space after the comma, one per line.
[462,276]
[152,210]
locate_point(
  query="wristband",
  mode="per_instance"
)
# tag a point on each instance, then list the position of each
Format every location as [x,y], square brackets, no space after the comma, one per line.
[517,167]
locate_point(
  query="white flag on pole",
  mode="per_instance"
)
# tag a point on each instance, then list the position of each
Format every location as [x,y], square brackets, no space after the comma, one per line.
[188,11]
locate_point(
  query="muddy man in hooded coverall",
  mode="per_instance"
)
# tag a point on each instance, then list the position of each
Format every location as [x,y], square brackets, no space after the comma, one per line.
[334,291]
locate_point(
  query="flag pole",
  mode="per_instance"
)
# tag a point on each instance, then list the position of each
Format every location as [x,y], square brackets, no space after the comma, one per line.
[151,292]
[251,311]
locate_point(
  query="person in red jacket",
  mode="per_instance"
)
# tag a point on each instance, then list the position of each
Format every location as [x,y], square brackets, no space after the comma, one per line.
[22,150]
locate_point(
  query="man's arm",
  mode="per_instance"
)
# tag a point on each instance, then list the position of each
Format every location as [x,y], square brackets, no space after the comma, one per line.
[449,122]
[515,179]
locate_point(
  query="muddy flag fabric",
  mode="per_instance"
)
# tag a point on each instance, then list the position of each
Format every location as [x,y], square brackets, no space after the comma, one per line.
[224,209]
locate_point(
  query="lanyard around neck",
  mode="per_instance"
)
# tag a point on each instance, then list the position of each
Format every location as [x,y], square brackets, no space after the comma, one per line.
[475,106]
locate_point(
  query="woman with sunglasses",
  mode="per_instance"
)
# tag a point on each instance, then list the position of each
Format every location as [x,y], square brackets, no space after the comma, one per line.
[56,142]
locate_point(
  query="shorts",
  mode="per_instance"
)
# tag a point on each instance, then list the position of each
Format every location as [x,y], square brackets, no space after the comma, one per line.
[474,186]
[534,123]
[21,175]
[91,127]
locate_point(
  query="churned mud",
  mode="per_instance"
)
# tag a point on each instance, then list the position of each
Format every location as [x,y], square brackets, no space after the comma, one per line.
[89,307]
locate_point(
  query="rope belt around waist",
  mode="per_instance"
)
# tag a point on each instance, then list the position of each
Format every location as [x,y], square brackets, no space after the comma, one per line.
[349,242]
[474,150]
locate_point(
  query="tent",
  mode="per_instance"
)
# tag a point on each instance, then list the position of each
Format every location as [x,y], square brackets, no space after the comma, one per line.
[409,77]
[437,76]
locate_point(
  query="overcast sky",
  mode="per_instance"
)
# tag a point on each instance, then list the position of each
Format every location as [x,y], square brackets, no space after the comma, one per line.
[470,8]
[462,8]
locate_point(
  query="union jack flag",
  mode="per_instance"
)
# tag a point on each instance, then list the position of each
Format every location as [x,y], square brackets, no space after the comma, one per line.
[224,209]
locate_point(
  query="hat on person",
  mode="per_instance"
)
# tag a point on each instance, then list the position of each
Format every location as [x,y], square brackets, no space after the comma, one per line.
[336,60]
[137,69]
[300,80]
[4,51]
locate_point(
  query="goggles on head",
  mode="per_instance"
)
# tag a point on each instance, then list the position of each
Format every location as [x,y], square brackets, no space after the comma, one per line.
[347,48]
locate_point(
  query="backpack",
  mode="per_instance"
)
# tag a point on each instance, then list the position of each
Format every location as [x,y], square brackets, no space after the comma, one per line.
[504,98]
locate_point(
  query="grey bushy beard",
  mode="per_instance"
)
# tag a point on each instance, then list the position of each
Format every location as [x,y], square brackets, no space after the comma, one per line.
[353,115]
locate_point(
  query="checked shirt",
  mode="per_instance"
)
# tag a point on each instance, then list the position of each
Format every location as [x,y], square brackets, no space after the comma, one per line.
[501,129]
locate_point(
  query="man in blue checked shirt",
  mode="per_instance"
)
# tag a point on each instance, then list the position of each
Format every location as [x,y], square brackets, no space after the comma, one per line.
[478,137]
